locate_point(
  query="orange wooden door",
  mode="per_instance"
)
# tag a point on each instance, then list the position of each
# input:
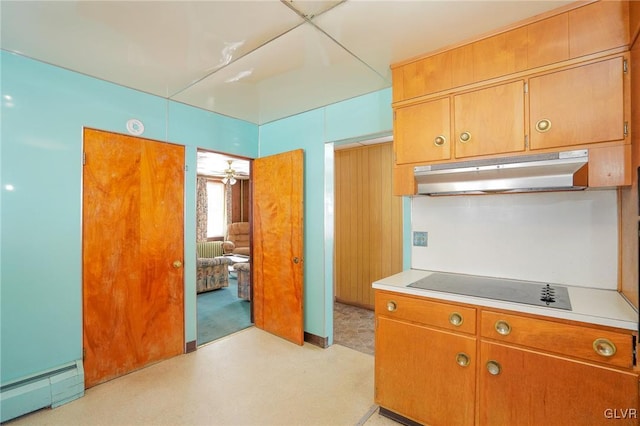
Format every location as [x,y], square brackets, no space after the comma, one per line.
[277,266]
[132,234]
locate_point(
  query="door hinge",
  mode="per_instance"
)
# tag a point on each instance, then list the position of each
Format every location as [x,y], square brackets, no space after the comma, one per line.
[633,345]
[84,158]
[526,141]
[84,353]
[526,87]
[625,66]
[186,168]
[626,129]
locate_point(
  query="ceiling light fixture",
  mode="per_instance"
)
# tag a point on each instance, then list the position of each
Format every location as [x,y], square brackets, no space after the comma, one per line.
[230,175]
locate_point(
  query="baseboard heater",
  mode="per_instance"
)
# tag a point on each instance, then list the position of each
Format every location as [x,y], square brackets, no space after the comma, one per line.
[50,388]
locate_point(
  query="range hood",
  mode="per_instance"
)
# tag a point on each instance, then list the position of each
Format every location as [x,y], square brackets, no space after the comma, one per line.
[557,171]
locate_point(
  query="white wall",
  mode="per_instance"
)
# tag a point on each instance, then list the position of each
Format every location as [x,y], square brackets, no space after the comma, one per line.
[563,237]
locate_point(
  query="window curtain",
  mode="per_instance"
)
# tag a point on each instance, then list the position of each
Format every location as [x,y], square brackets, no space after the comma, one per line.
[228,206]
[201,209]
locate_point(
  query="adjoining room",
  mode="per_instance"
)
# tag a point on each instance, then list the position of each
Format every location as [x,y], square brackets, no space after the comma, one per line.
[223,278]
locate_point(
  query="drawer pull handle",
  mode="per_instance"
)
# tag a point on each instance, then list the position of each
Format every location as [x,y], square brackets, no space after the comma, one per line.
[391,306]
[465,137]
[462,359]
[493,368]
[456,319]
[503,328]
[439,140]
[604,347]
[543,125]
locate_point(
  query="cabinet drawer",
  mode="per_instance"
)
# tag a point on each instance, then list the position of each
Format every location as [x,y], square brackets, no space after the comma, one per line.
[592,344]
[428,312]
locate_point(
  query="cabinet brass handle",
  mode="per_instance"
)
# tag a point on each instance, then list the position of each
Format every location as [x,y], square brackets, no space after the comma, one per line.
[177,264]
[493,368]
[439,140]
[462,359]
[465,137]
[391,306]
[543,125]
[456,319]
[604,347]
[502,327]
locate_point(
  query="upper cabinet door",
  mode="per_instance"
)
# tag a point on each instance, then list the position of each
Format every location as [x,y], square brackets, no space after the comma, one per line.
[598,26]
[548,41]
[577,106]
[422,132]
[490,121]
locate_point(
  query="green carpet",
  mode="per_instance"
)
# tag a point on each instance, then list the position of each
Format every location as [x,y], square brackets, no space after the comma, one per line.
[221,313]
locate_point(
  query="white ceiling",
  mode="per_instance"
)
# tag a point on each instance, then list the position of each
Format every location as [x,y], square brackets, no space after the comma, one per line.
[214,164]
[258,61]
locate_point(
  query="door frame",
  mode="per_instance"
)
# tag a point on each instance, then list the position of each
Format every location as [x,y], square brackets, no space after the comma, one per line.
[250,220]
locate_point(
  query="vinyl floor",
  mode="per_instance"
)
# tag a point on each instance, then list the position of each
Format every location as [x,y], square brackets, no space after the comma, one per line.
[245,379]
[353,327]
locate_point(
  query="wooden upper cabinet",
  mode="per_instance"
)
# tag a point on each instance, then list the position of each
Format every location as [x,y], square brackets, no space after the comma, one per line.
[422,132]
[428,75]
[397,84]
[598,26]
[578,105]
[610,166]
[404,182]
[500,55]
[634,20]
[548,41]
[590,29]
[462,66]
[489,121]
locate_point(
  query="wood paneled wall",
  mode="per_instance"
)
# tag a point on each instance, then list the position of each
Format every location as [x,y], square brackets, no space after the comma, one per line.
[240,201]
[368,222]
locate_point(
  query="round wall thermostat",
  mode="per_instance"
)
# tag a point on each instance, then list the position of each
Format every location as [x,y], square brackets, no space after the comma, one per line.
[135,127]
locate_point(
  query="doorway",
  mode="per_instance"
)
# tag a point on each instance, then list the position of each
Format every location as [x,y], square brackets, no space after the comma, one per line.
[368,236]
[222,205]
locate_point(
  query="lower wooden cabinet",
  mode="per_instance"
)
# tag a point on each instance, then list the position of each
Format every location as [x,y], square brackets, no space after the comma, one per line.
[425,374]
[440,363]
[523,387]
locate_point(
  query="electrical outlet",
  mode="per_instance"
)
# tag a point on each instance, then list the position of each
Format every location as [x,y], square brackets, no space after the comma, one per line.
[420,239]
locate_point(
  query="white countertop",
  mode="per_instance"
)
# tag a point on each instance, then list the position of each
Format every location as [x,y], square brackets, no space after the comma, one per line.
[589,305]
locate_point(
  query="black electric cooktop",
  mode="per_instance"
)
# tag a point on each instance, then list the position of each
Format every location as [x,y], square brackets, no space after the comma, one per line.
[527,292]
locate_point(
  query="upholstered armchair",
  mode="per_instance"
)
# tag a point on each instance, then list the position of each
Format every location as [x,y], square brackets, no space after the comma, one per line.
[237,241]
[244,280]
[212,268]
[212,273]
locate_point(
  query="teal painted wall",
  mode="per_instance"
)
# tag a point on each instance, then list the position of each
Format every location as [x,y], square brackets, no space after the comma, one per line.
[356,118]
[44,110]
